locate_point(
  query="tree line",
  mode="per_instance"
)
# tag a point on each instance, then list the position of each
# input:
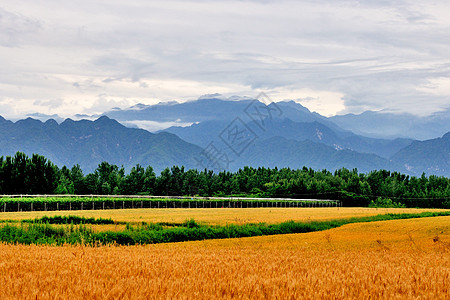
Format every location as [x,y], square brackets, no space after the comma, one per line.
[21,174]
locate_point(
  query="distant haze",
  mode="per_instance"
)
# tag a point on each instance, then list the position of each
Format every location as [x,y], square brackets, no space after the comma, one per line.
[333,57]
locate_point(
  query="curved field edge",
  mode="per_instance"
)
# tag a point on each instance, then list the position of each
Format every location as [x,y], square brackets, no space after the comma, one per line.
[219,216]
[44,233]
[397,259]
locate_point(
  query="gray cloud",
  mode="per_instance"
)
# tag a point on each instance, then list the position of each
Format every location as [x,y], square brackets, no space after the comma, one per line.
[390,55]
[16,29]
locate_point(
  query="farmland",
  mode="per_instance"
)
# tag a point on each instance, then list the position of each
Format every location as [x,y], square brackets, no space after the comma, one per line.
[387,259]
[220,216]
[60,230]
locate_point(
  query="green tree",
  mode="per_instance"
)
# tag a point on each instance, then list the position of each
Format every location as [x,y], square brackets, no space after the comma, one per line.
[65,186]
[78,179]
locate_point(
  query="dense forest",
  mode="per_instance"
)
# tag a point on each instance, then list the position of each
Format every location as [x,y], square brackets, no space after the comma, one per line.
[21,174]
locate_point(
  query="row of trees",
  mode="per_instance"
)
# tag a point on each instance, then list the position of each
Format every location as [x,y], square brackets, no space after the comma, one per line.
[36,175]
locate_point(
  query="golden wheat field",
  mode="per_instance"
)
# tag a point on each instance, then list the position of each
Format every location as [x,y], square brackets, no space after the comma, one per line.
[218,216]
[401,259]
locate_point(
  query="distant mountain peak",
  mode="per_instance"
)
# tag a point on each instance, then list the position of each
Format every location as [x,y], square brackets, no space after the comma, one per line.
[105,120]
[51,122]
[138,106]
[67,121]
[212,96]
[294,105]
[102,118]
[29,121]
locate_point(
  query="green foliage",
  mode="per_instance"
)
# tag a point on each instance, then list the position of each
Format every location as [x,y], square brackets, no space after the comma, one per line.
[23,175]
[446,204]
[69,220]
[383,202]
[190,224]
[65,186]
[36,175]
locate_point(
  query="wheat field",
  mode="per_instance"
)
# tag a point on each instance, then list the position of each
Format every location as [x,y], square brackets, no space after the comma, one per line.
[219,216]
[401,259]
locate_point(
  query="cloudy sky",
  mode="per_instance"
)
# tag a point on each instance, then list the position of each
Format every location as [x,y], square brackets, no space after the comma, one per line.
[84,56]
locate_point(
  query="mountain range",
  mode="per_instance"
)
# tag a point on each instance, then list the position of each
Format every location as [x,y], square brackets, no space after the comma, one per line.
[390,125]
[88,143]
[222,133]
[430,156]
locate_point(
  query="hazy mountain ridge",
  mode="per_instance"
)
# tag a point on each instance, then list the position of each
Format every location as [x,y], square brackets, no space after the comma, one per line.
[390,125]
[286,119]
[205,132]
[430,156]
[380,125]
[296,154]
[213,109]
[201,110]
[283,134]
[90,142]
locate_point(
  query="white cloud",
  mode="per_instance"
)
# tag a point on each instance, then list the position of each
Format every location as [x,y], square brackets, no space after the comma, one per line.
[153,126]
[438,86]
[337,56]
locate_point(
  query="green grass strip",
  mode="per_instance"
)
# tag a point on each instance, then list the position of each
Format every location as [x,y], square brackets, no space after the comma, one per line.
[64,220]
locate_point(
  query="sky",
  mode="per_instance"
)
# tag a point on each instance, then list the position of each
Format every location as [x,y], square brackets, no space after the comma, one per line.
[334,57]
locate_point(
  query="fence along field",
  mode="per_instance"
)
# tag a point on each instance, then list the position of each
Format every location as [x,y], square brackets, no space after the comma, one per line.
[404,259]
[96,202]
